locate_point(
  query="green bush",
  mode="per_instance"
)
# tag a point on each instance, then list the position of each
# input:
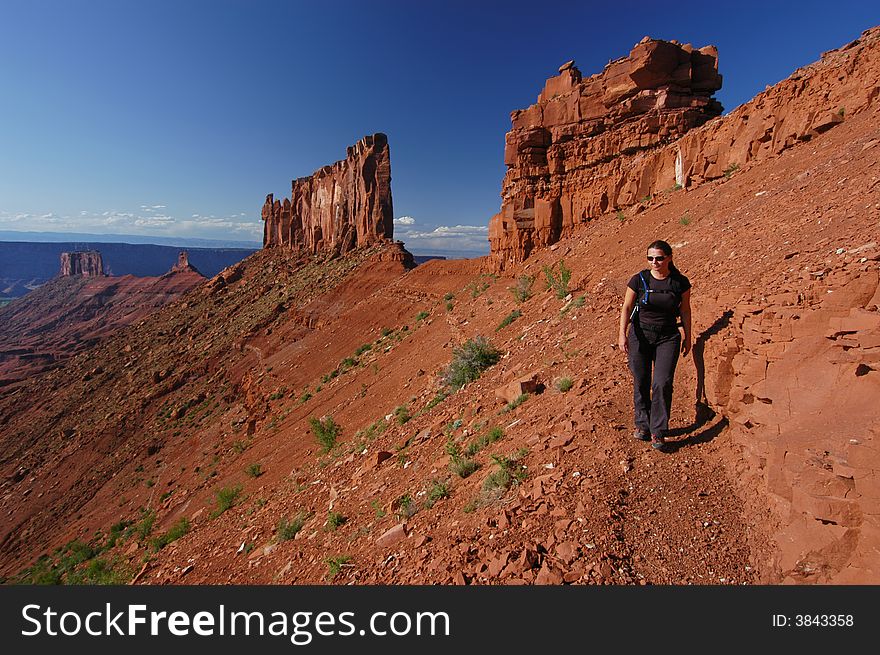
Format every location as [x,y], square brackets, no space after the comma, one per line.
[449,296]
[326,432]
[288,529]
[484,440]
[564,384]
[510,472]
[437,491]
[522,290]
[254,470]
[421,316]
[226,498]
[519,400]
[406,507]
[510,318]
[362,349]
[335,564]
[469,361]
[402,414]
[462,466]
[145,526]
[558,281]
[334,520]
[174,533]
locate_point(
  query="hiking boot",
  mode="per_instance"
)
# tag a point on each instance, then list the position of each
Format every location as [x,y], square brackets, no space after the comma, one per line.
[642,435]
[658,442]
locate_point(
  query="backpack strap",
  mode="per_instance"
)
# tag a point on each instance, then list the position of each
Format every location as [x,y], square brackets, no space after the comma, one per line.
[646,291]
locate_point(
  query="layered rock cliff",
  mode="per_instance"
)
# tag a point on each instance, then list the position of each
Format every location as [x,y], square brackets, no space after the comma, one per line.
[87,264]
[616,139]
[340,207]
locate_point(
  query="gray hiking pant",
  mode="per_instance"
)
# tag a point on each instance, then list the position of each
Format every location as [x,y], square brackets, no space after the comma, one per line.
[657,349]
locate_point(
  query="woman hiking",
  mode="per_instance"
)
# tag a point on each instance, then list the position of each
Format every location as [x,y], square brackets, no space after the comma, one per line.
[651,336]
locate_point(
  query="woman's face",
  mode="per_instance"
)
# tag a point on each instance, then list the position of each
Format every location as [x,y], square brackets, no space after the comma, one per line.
[661,265]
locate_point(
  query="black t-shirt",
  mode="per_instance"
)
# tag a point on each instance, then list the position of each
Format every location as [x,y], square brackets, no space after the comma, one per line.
[662,301]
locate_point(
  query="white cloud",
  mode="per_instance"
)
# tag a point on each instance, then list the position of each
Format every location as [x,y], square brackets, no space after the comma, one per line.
[404,220]
[465,238]
[146,221]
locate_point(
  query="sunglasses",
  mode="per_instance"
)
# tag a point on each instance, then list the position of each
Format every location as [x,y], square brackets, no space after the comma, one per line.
[658,258]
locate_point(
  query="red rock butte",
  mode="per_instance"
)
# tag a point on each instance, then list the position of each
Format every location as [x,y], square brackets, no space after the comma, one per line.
[86,263]
[183,264]
[340,207]
[645,125]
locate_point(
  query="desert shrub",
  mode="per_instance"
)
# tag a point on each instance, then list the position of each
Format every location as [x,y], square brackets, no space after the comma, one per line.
[335,564]
[326,432]
[564,384]
[226,498]
[449,296]
[402,414]
[254,470]
[406,507]
[174,533]
[522,290]
[510,471]
[519,400]
[437,491]
[469,361]
[730,170]
[510,318]
[422,315]
[334,520]
[484,440]
[558,280]
[459,464]
[362,349]
[287,529]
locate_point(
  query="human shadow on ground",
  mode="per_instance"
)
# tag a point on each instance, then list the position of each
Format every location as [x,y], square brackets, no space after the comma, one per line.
[703,414]
[699,349]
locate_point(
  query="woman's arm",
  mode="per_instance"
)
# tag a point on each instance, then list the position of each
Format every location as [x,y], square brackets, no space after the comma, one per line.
[629,301]
[685,310]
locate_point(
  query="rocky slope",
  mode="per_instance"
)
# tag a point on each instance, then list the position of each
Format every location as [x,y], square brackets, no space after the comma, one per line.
[192,449]
[73,312]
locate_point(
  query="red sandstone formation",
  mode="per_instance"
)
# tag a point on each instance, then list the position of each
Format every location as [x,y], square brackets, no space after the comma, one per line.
[340,207]
[608,142]
[183,264]
[87,264]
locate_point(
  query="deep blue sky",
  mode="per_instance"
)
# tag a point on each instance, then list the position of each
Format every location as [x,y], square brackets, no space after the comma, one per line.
[177,118]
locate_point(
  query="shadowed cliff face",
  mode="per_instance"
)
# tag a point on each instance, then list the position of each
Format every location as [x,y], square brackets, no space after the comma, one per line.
[340,207]
[613,141]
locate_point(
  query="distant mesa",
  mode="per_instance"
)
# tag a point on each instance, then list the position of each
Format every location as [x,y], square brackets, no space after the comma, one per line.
[183,265]
[86,263]
[340,207]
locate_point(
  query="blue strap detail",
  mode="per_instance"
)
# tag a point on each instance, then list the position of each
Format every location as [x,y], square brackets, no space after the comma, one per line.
[648,290]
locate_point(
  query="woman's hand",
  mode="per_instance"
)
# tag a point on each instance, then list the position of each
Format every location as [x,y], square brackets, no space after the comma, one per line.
[685,347]
[623,344]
